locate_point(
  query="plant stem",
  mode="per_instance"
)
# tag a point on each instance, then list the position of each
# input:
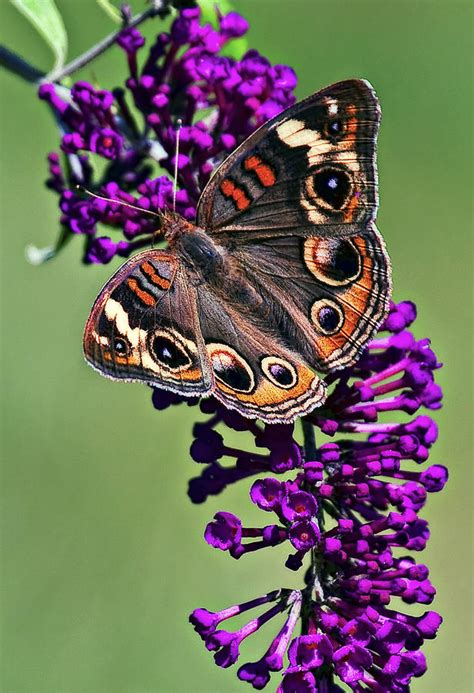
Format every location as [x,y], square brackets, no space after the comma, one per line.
[309,439]
[14,63]
[157,7]
[315,590]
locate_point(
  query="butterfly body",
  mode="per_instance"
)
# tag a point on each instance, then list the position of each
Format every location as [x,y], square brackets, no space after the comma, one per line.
[283,276]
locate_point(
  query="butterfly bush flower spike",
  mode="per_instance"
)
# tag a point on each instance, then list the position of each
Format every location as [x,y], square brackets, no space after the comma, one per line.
[350,513]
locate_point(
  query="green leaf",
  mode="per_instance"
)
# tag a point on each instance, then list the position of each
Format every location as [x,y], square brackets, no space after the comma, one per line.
[110,9]
[45,17]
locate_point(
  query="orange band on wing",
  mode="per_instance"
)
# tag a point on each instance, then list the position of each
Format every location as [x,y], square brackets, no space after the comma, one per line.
[351,128]
[154,277]
[235,192]
[144,296]
[349,212]
[264,173]
[355,304]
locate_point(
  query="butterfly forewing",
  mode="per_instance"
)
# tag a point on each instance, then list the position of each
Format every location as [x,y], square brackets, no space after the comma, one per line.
[144,326]
[295,205]
[312,165]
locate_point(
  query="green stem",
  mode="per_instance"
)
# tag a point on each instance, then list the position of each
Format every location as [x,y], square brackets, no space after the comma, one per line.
[314,590]
[157,7]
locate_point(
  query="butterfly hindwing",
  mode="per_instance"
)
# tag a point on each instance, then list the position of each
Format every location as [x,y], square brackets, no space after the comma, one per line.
[328,295]
[254,372]
[144,326]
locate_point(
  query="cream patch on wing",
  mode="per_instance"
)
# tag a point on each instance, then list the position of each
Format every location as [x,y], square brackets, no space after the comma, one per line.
[115,313]
[294,133]
[137,339]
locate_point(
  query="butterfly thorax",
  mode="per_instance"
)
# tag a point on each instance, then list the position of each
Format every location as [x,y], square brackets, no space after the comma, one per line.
[209,263]
[196,249]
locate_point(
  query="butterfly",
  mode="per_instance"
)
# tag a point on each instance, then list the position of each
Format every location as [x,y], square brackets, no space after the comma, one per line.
[283,277]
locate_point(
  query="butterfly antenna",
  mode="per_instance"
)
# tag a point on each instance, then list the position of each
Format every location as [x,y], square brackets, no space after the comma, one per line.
[119,202]
[179,123]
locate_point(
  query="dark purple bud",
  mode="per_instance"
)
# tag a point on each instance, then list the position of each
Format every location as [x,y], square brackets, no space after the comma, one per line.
[208,446]
[226,646]
[256,673]
[233,25]
[434,478]
[298,682]
[130,39]
[162,399]
[284,77]
[101,250]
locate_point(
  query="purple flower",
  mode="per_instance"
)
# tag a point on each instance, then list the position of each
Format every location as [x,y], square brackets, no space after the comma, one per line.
[309,652]
[79,215]
[298,505]
[351,662]
[105,142]
[267,493]
[225,532]
[298,682]
[304,535]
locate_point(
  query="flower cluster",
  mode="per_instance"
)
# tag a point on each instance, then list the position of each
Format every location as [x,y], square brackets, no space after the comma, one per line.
[116,142]
[349,511]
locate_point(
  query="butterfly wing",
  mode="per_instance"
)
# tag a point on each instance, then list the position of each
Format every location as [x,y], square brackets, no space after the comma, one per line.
[295,206]
[254,372]
[312,165]
[144,327]
[329,295]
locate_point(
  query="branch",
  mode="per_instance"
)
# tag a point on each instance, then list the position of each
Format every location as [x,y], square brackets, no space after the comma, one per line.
[14,63]
[157,7]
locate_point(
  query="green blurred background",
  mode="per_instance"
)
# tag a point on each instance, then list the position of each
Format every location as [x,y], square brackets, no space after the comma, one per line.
[102,553]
